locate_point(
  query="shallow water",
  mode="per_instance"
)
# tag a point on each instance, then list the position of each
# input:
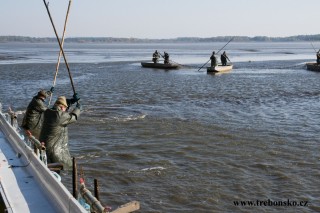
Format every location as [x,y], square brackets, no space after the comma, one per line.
[183,140]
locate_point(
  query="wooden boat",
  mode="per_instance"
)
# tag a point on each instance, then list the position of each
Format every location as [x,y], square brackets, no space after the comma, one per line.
[219,69]
[313,67]
[159,65]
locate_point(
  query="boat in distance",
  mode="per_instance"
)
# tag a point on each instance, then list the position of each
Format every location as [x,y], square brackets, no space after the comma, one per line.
[160,65]
[220,69]
[313,66]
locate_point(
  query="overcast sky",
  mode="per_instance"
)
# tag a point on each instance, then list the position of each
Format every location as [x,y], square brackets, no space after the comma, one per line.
[162,19]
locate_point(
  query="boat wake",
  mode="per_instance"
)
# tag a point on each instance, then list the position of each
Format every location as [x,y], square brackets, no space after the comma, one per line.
[153,168]
[157,170]
[128,118]
[117,114]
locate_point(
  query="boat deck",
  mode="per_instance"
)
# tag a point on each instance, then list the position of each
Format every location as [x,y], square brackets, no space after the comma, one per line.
[18,187]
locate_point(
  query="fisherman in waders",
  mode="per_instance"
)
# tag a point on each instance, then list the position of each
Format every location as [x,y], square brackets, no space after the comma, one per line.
[224,58]
[32,120]
[166,58]
[318,57]
[155,57]
[55,130]
[213,60]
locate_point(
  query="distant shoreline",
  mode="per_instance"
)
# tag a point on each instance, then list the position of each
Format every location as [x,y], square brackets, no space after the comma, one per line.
[298,38]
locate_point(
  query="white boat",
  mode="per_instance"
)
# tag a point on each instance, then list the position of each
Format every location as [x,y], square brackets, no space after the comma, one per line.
[26,183]
[220,68]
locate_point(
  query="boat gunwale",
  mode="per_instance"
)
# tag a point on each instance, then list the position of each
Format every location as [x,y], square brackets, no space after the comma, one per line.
[55,191]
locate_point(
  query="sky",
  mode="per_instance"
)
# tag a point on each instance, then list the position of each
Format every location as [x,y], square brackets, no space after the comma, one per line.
[161,19]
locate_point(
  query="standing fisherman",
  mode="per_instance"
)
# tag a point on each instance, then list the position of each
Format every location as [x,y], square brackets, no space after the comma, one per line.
[155,57]
[54,132]
[318,57]
[33,118]
[224,58]
[166,58]
[213,60]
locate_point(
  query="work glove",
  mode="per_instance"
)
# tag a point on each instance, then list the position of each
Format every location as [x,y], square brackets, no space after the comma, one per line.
[75,97]
[73,100]
[50,91]
[79,106]
[69,102]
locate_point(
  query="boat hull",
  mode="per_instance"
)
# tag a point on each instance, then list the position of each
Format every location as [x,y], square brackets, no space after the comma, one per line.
[219,69]
[159,65]
[313,67]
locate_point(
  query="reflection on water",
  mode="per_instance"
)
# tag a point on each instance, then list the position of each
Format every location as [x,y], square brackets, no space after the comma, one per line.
[182,140]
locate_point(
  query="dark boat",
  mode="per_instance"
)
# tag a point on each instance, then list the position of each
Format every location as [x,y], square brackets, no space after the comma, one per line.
[219,69]
[159,65]
[313,67]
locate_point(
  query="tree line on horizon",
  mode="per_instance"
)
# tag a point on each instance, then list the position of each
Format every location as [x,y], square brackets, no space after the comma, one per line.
[297,38]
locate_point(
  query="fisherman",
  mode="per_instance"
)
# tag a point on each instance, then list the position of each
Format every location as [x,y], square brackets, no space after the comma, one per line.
[213,60]
[55,131]
[33,117]
[224,58]
[318,57]
[166,58]
[155,57]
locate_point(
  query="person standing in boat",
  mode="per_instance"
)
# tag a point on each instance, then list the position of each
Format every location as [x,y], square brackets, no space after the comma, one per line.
[224,58]
[213,60]
[54,131]
[318,57]
[166,58]
[33,118]
[155,57]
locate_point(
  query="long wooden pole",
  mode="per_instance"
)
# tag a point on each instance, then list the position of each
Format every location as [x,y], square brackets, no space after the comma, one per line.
[64,56]
[60,52]
[217,52]
[313,47]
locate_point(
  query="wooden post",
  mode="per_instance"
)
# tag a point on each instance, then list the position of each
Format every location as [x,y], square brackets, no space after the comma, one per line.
[96,189]
[75,178]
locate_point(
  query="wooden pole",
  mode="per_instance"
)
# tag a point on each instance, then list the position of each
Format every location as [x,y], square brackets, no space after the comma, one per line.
[64,56]
[217,52]
[60,52]
[96,189]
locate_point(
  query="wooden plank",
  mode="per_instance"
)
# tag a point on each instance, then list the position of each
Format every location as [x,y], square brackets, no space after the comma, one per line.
[128,207]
